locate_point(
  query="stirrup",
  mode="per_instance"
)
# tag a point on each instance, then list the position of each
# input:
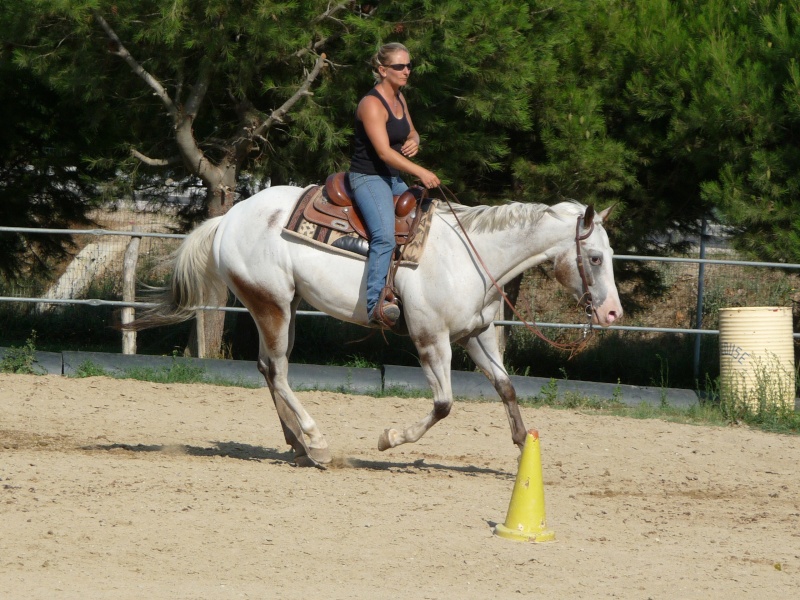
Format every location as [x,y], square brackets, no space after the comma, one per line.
[385,314]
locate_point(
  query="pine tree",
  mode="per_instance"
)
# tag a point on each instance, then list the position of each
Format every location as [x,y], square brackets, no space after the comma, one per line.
[210,90]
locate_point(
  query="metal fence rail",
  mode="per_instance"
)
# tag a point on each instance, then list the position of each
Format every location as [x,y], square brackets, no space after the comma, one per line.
[513,323]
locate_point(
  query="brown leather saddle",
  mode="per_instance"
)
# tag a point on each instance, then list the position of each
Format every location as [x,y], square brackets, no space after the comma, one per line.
[334,208]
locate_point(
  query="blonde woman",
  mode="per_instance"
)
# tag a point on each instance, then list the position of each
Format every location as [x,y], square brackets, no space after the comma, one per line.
[385,141]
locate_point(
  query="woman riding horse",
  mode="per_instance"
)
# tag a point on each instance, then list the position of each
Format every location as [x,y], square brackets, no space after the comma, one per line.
[385,139]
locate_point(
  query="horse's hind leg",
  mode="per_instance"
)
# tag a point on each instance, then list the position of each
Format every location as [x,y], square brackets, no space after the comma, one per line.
[276,335]
[306,453]
[482,348]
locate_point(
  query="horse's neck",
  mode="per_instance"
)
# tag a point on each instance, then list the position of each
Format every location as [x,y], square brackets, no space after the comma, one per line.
[506,253]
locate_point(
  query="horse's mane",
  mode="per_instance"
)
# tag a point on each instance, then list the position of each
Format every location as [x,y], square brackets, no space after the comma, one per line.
[519,214]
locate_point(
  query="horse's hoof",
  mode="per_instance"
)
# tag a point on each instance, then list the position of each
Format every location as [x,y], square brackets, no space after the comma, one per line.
[321,456]
[306,461]
[306,456]
[383,441]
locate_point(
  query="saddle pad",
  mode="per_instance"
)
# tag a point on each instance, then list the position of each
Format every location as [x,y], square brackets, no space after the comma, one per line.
[297,226]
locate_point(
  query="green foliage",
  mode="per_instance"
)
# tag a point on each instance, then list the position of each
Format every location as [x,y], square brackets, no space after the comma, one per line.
[44,181]
[22,360]
[258,53]
[357,361]
[678,110]
[177,372]
[550,396]
[762,395]
[549,392]
[761,409]
[88,369]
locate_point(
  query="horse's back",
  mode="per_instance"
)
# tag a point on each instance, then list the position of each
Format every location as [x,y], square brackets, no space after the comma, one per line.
[249,240]
[269,207]
[251,248]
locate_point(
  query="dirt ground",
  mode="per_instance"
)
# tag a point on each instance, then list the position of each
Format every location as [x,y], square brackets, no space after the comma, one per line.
[130,490]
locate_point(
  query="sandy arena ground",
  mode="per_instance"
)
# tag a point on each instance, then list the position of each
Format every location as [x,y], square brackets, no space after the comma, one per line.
[130,490]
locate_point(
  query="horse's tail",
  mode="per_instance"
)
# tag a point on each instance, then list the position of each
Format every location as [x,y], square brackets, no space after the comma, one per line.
[195,282]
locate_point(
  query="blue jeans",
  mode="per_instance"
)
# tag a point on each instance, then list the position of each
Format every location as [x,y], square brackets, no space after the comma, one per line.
[373,196]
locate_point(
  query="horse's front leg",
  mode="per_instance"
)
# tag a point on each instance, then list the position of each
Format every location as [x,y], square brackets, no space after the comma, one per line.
[435,360]
[483,349]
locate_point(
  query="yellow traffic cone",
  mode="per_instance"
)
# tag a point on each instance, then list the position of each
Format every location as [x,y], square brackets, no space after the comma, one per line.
[526,520]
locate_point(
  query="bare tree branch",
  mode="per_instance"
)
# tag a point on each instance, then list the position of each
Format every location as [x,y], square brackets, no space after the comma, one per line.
[332,10]
[318,44]
[191,155]
[277,115]
[156,162]
[328,14]
[121,51]
[198,92]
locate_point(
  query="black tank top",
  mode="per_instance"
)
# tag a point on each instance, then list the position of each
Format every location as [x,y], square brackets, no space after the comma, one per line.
[365,159]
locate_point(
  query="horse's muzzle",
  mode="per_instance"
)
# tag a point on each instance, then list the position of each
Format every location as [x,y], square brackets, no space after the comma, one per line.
[607,313]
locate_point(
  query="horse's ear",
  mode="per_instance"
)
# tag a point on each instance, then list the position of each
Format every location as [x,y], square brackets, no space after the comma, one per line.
[588,216]
[606,211]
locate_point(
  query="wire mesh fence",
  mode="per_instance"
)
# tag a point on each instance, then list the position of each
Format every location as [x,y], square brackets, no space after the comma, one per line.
[94,268]
[660,294]
[660,341]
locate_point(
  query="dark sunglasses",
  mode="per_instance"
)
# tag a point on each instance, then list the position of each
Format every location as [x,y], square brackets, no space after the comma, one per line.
[399,66]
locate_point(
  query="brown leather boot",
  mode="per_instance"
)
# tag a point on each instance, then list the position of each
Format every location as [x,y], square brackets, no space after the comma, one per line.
[385,315]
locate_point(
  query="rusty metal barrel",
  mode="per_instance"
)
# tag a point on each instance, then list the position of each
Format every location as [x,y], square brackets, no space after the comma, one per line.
[757,357]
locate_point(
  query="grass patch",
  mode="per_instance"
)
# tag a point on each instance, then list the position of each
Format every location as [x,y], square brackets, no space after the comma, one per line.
[705,413]
[710,412]
[772,418]
[551,397]
[177,372]
[401,391]
[357,361]
[22,359]
[766,415]
[182,372]
[88,369]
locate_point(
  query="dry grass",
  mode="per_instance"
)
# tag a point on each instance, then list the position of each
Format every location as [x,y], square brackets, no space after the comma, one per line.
[672,302]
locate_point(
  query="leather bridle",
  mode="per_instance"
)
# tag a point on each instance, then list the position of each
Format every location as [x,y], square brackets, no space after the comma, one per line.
[576,346]
[586,281]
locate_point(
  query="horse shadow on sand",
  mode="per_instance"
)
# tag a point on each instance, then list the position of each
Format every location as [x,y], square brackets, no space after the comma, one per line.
[242,451]
[419,466]
[222,449]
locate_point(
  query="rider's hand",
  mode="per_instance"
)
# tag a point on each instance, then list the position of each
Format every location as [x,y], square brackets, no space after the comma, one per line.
[429,179]
[410,148]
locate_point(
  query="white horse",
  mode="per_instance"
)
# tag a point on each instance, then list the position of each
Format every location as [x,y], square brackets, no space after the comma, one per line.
[449,297]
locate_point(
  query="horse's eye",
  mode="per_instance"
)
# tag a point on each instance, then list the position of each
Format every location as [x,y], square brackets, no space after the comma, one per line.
[596,261]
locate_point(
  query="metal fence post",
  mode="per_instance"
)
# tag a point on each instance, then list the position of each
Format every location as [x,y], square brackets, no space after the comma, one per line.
[701,272]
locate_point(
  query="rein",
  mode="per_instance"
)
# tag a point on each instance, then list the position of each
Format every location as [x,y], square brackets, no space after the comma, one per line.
[574,347]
